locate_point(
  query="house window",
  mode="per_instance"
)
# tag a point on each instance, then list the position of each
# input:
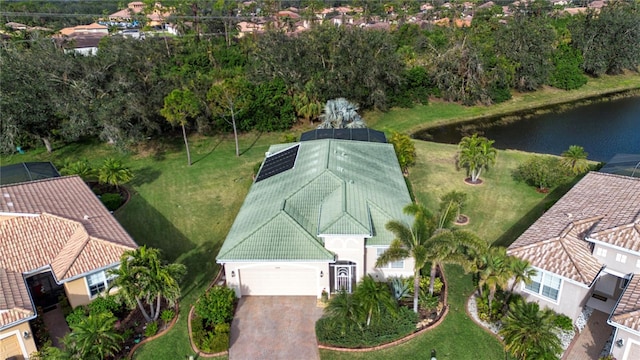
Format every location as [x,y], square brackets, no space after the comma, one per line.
[601,252]
[98,282]
[638,263]
[621,258]
[392,265]
[545,285]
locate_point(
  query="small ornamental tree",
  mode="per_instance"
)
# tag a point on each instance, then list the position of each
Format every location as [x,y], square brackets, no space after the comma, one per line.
[476,153]
[216,306]
[179,107]
[113,172]
[405,150]
[543,172]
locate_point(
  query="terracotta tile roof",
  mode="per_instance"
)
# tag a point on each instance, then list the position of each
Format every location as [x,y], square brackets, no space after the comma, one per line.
[68,197]
[600,205]
[15,304]
[56,222]
[627,311]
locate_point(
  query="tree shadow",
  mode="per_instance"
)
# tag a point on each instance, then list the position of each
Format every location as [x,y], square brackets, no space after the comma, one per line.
[215,146]
[532,215]
[252,144]
[202,266]
[145,175]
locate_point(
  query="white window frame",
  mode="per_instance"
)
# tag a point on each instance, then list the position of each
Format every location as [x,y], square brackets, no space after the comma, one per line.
[601,252]
[391,265]
[544,280]
[102,283]
[638,263]
[621,258]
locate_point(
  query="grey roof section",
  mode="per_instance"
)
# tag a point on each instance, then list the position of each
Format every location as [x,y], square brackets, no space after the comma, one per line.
[623,164]
[363,134]
[336,187]
[27,171]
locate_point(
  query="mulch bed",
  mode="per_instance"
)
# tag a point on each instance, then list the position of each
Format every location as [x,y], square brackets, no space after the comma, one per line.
[134,320]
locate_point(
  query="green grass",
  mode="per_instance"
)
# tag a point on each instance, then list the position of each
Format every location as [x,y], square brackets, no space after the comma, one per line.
[439,112]
[187,211]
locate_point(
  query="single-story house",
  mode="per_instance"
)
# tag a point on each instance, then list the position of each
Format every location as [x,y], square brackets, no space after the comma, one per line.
[314,218]
[57,238]
[586,250]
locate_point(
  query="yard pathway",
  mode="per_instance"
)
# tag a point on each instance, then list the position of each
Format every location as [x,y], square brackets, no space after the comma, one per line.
[589,343]
[275,327]
[56,324]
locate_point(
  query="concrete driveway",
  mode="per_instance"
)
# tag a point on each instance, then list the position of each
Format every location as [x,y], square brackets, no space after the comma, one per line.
[275,327]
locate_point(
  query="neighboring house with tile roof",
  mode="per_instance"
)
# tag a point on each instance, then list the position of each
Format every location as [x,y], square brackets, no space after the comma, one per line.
[57,238]
[586,249]
[314,219]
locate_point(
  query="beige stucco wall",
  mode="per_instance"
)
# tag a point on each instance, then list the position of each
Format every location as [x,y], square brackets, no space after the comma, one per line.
[570,301]
[383,274]
[348,248]
[629,266]
[631,348]
[77,292]
[26,345]
[233,280]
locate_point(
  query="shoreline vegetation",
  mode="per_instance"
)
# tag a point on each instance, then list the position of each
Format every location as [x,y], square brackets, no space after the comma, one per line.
[437,112]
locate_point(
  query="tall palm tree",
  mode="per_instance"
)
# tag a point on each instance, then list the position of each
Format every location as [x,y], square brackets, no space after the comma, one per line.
[373,297]
[143,279]
[476,153]
[575,159]
[114,173]
[429,239]
[95,337]
[529,333]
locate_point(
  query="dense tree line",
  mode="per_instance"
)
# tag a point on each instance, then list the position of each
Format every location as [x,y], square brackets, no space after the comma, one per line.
[267,82]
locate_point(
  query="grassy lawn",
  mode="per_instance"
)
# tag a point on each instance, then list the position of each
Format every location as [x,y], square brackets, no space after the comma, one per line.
[187,211]
[439,112]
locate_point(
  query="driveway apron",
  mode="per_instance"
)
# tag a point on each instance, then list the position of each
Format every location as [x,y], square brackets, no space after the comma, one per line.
[275,327]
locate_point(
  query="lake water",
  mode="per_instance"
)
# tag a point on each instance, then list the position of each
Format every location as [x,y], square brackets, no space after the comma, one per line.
[603,129]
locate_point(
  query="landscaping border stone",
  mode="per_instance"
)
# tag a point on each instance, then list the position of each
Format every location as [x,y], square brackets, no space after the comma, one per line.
[411,336]
[161,333]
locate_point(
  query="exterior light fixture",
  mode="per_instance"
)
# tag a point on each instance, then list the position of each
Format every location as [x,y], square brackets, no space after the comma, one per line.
[233,273]
[321,273]
[620,342]
[26,334]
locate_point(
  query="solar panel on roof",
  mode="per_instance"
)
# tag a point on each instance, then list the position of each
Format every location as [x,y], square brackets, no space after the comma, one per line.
[278,163]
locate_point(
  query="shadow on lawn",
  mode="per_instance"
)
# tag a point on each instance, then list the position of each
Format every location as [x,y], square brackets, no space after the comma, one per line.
[530,217]
[202,267]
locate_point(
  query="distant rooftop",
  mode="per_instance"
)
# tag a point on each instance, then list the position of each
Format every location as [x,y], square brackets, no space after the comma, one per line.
[27,171]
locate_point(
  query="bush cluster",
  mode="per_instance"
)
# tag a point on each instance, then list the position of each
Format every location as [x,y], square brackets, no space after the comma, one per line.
[111,201]
[390,328]
[210,327]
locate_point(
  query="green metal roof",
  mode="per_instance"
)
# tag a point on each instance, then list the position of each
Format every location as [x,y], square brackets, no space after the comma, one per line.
[335,187]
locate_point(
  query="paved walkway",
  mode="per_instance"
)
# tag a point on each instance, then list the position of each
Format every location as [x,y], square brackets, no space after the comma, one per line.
[589,343]
[56,324]
[275,327]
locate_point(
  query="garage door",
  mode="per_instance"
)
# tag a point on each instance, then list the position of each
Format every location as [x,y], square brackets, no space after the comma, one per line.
[10,348]
[280,280]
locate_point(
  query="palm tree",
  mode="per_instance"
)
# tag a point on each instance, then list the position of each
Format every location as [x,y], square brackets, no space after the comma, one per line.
[344,309]
[95,337]
[114,173]
[575,159]
[306,107]
[521,271]
[476,153]
[143,279]
[429,239]
[340,113]
[373,297]
[80,168]
[494,271]
[528,333]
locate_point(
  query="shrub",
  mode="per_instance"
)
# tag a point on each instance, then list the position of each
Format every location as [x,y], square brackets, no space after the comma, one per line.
[151,329]
[216,305]
[111,201]
[544,172]
[400,288]
[289,138]
[427,301]
[563,322]
[77,316]
[197,330]
[482,304]
[425,281]
[389,328]
[167,315]
[103,304]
